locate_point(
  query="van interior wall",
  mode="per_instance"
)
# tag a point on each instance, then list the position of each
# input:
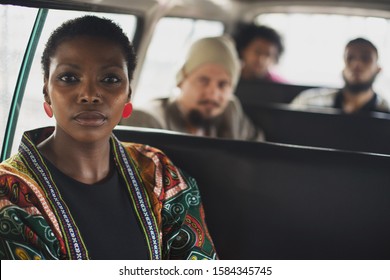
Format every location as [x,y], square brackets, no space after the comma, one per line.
[267,201]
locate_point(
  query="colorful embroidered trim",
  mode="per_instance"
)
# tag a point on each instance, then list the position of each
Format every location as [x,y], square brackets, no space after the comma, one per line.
[140,199]
[71,233]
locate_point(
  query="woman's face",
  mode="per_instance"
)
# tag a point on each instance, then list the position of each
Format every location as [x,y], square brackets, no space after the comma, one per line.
[87,87]
[259,56]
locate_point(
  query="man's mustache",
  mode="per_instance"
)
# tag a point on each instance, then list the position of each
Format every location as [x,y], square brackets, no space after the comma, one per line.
[209,102]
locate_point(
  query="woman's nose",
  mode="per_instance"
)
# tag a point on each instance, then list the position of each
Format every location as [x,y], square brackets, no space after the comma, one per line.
[90,94]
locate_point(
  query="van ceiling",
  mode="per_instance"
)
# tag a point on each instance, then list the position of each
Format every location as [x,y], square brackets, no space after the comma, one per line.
[219,9]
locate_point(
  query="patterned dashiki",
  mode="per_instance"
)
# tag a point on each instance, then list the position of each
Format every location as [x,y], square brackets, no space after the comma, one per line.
[37,224]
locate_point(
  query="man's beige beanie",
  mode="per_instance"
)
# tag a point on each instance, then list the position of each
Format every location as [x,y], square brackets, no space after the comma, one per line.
[219,50]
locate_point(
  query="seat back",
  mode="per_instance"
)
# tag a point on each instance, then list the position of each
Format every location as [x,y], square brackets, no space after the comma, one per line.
[367,133]
[268,201]
[257,92]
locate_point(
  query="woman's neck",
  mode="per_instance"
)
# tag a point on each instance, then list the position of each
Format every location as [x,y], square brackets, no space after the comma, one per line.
[88,163]
[248,74]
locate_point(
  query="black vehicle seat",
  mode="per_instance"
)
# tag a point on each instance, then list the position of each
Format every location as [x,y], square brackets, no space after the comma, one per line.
[269,201]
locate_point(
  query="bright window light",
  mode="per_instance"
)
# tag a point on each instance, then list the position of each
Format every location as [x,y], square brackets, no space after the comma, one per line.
[314,46]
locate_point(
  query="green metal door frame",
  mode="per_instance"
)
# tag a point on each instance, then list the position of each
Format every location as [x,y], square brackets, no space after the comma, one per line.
[21,83]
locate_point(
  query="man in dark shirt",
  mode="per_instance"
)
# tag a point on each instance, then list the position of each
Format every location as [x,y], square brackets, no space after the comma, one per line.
[357,95]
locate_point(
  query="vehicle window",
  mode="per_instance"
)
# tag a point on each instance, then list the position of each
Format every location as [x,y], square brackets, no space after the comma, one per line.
[13,40]
[32,114]
[170,41]
[314,46]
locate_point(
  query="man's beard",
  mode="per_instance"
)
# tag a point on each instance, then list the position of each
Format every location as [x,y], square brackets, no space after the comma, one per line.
[358,88]
[196,119]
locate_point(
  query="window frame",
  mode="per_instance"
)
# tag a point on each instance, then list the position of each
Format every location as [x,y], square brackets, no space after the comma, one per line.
[21,83]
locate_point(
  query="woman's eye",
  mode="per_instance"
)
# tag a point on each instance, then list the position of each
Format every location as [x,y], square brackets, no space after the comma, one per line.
[111,80]
[68,78]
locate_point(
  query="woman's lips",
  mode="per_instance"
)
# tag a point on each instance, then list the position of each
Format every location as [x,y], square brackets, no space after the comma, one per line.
[90,118]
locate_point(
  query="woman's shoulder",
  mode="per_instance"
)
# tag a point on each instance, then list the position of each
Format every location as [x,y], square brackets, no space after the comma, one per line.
[13,165]
[140,147]
[13,172]
[148,159]
[138,151]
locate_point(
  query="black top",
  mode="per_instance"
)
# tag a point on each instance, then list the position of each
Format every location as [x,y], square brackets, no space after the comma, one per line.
[104,215]
[368,107]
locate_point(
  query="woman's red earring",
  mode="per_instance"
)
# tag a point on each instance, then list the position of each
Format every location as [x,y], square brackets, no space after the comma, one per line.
[48,109]
[127,110]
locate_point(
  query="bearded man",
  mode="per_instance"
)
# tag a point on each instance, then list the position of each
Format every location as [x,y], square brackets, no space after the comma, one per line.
[357,95]
[206,105]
